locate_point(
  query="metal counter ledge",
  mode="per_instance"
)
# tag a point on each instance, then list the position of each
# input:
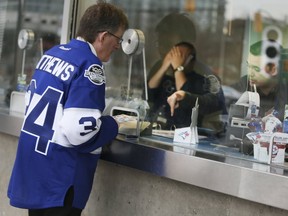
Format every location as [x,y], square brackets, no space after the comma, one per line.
[204,165]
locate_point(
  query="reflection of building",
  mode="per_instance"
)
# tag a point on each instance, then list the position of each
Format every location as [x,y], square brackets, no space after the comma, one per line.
[242,34]
[45,14]
[233,52]
[210,19]
[39,16]
[3,6]
[210,15]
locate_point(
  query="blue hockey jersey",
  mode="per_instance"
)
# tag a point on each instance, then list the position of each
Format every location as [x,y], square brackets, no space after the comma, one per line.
[63,129]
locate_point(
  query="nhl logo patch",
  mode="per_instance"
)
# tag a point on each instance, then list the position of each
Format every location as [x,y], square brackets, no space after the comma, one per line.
[95,74]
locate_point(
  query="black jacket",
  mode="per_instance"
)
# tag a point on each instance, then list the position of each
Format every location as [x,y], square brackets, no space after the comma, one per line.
[199,85]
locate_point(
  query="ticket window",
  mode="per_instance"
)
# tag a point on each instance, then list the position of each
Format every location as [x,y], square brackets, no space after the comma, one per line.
[42,21]
[225,30]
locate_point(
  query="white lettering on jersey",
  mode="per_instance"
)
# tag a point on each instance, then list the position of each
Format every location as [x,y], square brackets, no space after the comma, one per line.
[95,73]
[64,48]
[56,66]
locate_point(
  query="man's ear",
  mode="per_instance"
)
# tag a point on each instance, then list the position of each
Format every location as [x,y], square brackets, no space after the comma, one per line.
[101,36]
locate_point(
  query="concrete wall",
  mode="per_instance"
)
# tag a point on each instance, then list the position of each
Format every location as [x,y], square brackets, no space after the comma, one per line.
[120,191]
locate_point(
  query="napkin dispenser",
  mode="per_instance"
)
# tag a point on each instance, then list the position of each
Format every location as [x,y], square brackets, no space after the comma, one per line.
[188,135]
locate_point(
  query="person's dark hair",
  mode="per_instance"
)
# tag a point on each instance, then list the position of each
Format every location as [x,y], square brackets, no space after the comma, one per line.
[101,17]
[190,46]
[180,24]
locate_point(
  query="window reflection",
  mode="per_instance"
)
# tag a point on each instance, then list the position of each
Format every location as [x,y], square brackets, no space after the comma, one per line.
[44,18]
[225,32]
[225,29]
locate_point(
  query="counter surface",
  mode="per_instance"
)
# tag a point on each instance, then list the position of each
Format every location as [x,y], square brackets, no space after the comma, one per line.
[206,165]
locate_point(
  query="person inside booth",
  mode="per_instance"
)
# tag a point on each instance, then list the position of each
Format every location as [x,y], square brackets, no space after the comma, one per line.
[270,82]
[179,69]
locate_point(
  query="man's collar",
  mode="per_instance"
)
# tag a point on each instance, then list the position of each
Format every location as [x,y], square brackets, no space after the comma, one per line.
[90,45]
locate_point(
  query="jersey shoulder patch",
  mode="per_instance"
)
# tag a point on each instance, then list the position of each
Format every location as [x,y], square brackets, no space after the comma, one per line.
[95,73]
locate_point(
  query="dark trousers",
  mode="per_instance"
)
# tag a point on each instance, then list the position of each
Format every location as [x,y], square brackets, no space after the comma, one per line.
[66,210]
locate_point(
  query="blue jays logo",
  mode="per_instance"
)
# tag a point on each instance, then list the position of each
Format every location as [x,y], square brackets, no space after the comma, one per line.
[184,134]
[95,74]
[275,150]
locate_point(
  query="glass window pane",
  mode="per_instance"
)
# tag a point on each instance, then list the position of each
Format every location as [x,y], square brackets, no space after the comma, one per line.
[43,19]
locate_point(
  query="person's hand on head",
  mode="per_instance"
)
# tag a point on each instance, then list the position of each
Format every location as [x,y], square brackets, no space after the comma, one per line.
[166,62]
[178,56]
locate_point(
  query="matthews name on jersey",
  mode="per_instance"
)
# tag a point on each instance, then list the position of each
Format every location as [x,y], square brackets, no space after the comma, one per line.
[63,129]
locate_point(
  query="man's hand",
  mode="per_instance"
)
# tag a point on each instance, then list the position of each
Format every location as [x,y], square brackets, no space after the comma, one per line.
[173,100]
